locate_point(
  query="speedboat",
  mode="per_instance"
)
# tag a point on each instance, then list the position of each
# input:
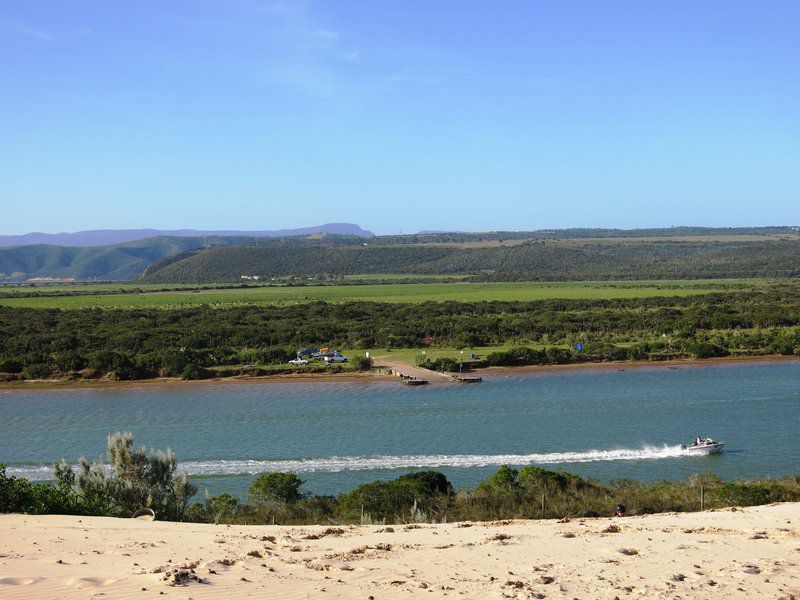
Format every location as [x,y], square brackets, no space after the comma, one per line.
[705,447]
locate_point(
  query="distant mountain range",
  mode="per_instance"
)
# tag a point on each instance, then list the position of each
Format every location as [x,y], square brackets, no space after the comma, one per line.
[345,249]
[107,237]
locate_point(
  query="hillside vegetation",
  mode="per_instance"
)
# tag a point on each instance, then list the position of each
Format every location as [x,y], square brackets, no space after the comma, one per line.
[119,262]
[538,260]
[557,255]
[137,343]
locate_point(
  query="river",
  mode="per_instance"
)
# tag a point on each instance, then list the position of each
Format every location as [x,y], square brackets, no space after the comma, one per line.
[604,423]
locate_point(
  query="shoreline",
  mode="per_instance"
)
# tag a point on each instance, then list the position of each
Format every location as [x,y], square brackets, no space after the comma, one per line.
[49,384]
[676,363]
[377,376]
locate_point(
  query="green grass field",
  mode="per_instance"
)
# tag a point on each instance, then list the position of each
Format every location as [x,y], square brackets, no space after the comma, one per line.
[416,292]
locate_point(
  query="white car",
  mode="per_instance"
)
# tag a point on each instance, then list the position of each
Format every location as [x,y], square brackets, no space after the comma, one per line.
[298,361]
[339,358]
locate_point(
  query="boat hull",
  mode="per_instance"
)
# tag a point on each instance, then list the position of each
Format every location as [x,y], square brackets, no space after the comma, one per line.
[705,449]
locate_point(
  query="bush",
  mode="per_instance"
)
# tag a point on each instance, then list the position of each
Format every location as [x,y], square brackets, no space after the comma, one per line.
[112,361]
[738,493]
[140,480]
[706,350]
[273,355]
[15,493]
[37,371]
[502,482]
[541,479]
[428,483]
[276,487]
[361,363]
[409,497]
[11,365]
[136,481]
[214,509]
[516,357]
[59,497]
[194,372]
[440,364]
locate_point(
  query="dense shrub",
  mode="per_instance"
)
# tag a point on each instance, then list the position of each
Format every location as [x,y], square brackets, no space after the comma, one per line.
[193,371]
[406,498]
[739,493]
[15,493]
[439,364]
[148,342]
[138,480]
[361,363]
[214,509]
[276,487]
[11,365]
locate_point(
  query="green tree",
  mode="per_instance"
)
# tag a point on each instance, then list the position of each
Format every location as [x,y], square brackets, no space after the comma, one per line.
[276,487]
[361,363]
[504,481]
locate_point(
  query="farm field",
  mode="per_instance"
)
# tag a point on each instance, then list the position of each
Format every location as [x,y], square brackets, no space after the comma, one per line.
[410,293]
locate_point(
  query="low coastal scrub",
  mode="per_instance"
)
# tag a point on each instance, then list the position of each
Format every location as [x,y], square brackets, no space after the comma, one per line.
[528,493]
[204,341]
[135,480]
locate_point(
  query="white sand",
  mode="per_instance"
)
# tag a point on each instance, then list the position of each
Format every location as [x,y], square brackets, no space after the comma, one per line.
[747,553]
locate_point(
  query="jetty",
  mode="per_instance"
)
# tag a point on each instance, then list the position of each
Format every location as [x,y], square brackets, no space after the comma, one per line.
[467,378]
[414,381]
[412,375]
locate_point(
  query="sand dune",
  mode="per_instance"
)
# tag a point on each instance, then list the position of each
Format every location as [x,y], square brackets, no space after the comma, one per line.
[751,552]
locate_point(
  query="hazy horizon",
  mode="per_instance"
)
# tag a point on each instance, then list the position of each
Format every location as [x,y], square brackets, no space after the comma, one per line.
[245,230]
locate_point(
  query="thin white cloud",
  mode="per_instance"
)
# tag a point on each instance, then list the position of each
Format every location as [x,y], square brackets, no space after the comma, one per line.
[30,32]
[324,34]
[305,54]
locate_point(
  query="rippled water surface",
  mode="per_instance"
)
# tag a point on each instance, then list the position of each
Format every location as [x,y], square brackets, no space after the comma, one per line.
[603,423]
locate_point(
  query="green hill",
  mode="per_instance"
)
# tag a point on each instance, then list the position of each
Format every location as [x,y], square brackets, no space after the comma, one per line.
[552,255]
[553,260]
[120,262]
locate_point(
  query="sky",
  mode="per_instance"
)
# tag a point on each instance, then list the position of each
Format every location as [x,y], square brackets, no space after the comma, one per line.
[400,116]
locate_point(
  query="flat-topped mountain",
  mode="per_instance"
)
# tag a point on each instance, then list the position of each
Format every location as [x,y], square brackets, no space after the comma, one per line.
[106,237]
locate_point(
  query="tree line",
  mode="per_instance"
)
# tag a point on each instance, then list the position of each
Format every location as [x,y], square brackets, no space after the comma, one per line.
[138,343]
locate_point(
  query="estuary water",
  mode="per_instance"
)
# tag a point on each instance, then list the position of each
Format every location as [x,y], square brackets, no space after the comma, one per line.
[604,423]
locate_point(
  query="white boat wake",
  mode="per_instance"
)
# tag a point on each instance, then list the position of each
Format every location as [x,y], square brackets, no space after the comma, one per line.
[337,464]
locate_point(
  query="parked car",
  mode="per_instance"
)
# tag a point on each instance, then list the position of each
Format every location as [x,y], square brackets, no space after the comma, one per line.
[298,361]
[338,358]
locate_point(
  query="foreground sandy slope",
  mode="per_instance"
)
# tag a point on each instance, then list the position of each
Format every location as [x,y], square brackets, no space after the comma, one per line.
[751,553]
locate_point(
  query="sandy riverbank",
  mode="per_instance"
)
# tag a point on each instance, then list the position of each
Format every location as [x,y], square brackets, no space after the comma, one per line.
[378,375]
[731,361]
[46,384]
[742,553]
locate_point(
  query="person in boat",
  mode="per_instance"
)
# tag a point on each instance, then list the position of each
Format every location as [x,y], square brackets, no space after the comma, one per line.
[697,441]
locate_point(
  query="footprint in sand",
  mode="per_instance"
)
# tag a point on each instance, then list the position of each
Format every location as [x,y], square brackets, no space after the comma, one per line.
[89,582]
[17,580]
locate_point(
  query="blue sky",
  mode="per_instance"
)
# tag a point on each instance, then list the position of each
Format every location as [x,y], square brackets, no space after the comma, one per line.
[399,116]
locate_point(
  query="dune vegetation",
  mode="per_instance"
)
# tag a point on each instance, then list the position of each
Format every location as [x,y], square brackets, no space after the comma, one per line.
[134,479]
